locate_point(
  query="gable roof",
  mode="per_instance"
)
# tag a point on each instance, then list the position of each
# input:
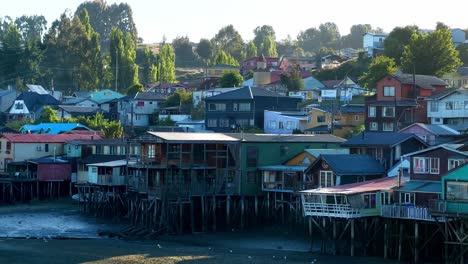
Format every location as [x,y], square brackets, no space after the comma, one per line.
[76,100]
[379,139]
[76,109]
[37,89]
[318,152]
[35,101]
[382,184]
[462,71]
[441,130]
[247,93]
[310,83]
[149,96]
[423,81]
[345,164]
[52,128]
[440,96]
[45,138]
[249,137]
[444,146]
[105,95]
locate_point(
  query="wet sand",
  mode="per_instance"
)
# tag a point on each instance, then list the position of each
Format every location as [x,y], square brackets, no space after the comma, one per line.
[39,222]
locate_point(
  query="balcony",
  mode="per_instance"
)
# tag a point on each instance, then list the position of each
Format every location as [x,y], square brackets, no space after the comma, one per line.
[290,187]
[406,211]
[106,179]
[448,207]
[330,210]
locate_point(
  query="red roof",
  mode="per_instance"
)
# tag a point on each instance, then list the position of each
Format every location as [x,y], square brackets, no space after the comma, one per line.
[46,138]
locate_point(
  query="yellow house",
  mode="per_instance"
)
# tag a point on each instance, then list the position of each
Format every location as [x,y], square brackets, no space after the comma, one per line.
[217,71]
[347,119]
[458,79]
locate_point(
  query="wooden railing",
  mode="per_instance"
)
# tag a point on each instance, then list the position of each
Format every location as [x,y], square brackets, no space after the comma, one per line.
[279,186]
[330,210]
[406,212]
[448,207]
[106,179]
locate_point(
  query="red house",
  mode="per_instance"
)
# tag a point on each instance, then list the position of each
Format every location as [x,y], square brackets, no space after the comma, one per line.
[400,101]
[51,169]
[260,62]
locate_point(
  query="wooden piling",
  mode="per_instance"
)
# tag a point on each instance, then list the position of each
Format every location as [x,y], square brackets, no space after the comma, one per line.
[214,212]
[352,237]
[203,214]
[228,212]
[416,241]
[242,205]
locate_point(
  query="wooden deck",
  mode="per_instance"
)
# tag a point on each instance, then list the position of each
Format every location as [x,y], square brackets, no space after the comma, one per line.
[330,210]
[406,212]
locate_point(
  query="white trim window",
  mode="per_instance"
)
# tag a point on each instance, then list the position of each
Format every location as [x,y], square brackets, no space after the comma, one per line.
[272,124]
[457,190]
[244,106]
[212,122]
[373,126]
[356,117]
[388,91]
[424,165]
[216,107]
[326,178]
[407,198]
[453,163]
[372,111]
[388,111]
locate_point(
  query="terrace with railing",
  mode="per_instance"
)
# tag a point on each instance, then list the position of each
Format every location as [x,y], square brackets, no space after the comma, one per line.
[406,211]
[331,210]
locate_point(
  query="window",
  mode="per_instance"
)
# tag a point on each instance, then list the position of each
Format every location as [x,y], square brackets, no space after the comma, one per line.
[387,127]
[244,107]
[137,117]
[18,106]
[290,125]
[280,125]
[151,151]
[372,111]
[326,178]
[309,120]
[457,190]
[223,122]
[407,198]
[466,105]
[272,124]
[320,119]
[388,112]
[425,165]
[252,157]
[385,198]
[389,91]
[457,105]
[251,177]
[217,107]
[369,200]
[374,126]
[453,163]
[46,147]
[449,105]
[234,107]
[212,122]
[283,150]
[434,106]
[356,117]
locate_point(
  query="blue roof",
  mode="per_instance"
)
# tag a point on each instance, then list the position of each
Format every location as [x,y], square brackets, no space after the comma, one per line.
[310,83]
[346,164]
[378,139]
[52,128]
[105,95]
[421,186]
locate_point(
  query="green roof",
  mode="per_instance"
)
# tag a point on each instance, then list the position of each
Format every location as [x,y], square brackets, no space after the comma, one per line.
[460,173]
[421,187]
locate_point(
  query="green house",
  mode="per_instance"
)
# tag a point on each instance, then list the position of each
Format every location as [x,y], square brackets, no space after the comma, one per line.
[455,191]
[257,150]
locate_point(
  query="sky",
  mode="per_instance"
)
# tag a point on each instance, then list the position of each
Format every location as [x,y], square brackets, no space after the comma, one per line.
[156,19]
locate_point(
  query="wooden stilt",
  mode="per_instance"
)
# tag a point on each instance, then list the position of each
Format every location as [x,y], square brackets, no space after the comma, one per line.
[214,212]
[400,242]
[334,236]
[416,241]
[192,216]
[268,206]
[202,200]
[242,205]
[386,240]
[256,208]
[352,237]
[228,212]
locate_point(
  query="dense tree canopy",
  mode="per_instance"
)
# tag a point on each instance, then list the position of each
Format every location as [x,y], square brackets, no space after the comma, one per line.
[123,56]
[354,39]
[224,58]
[184,55]
[260,34]
[230,79]
[379,68]
[205,50]
[268,47]
[431,54]
[230,41]
[463,53]
[396,41]
[167,66]
[293,79]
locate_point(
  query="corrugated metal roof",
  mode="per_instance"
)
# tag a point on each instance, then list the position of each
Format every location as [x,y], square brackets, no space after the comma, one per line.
[115,163]
[382,184]
[181,136]
[46,138]
[52,128]
[378,139]
[325,138]
[318,152]
[283,168]
[345,164]
[421,186]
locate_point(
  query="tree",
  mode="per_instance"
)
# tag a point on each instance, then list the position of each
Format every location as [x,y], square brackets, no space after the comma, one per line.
[147,62]
[123,56]
[354,39]
[16,125]
[268,47]
[167,70]
[286,46]
[379,68]
[396,41]
[104,17]
[230,41]
[11,51]
[204,50]
[184,55]
[180,98]
[198,112]
[293,79]
[329,35]
[250,50]
[309,40]
[261,33]
[463,53]
[224,58]
[111,129]
[431,54]
[134,89]
[230,79]
[48,115]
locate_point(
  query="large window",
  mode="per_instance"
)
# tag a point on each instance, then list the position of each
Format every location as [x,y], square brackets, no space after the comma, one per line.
[426,165]
[388,112]
[434,106]
[453,163]
[272,124]
[389,91]
[151,151]
[217,107]
[212,123]
[387,126]
[252,157]
[244,107]
[369,200]
[223,122]
[372,111]
[320,119]
[407,198]
[280,124]
[290,125]
[457,190]
[326,178]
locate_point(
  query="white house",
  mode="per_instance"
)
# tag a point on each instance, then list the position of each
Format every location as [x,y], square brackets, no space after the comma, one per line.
[373,42]
[284,122]
[137,110]
[449,108]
